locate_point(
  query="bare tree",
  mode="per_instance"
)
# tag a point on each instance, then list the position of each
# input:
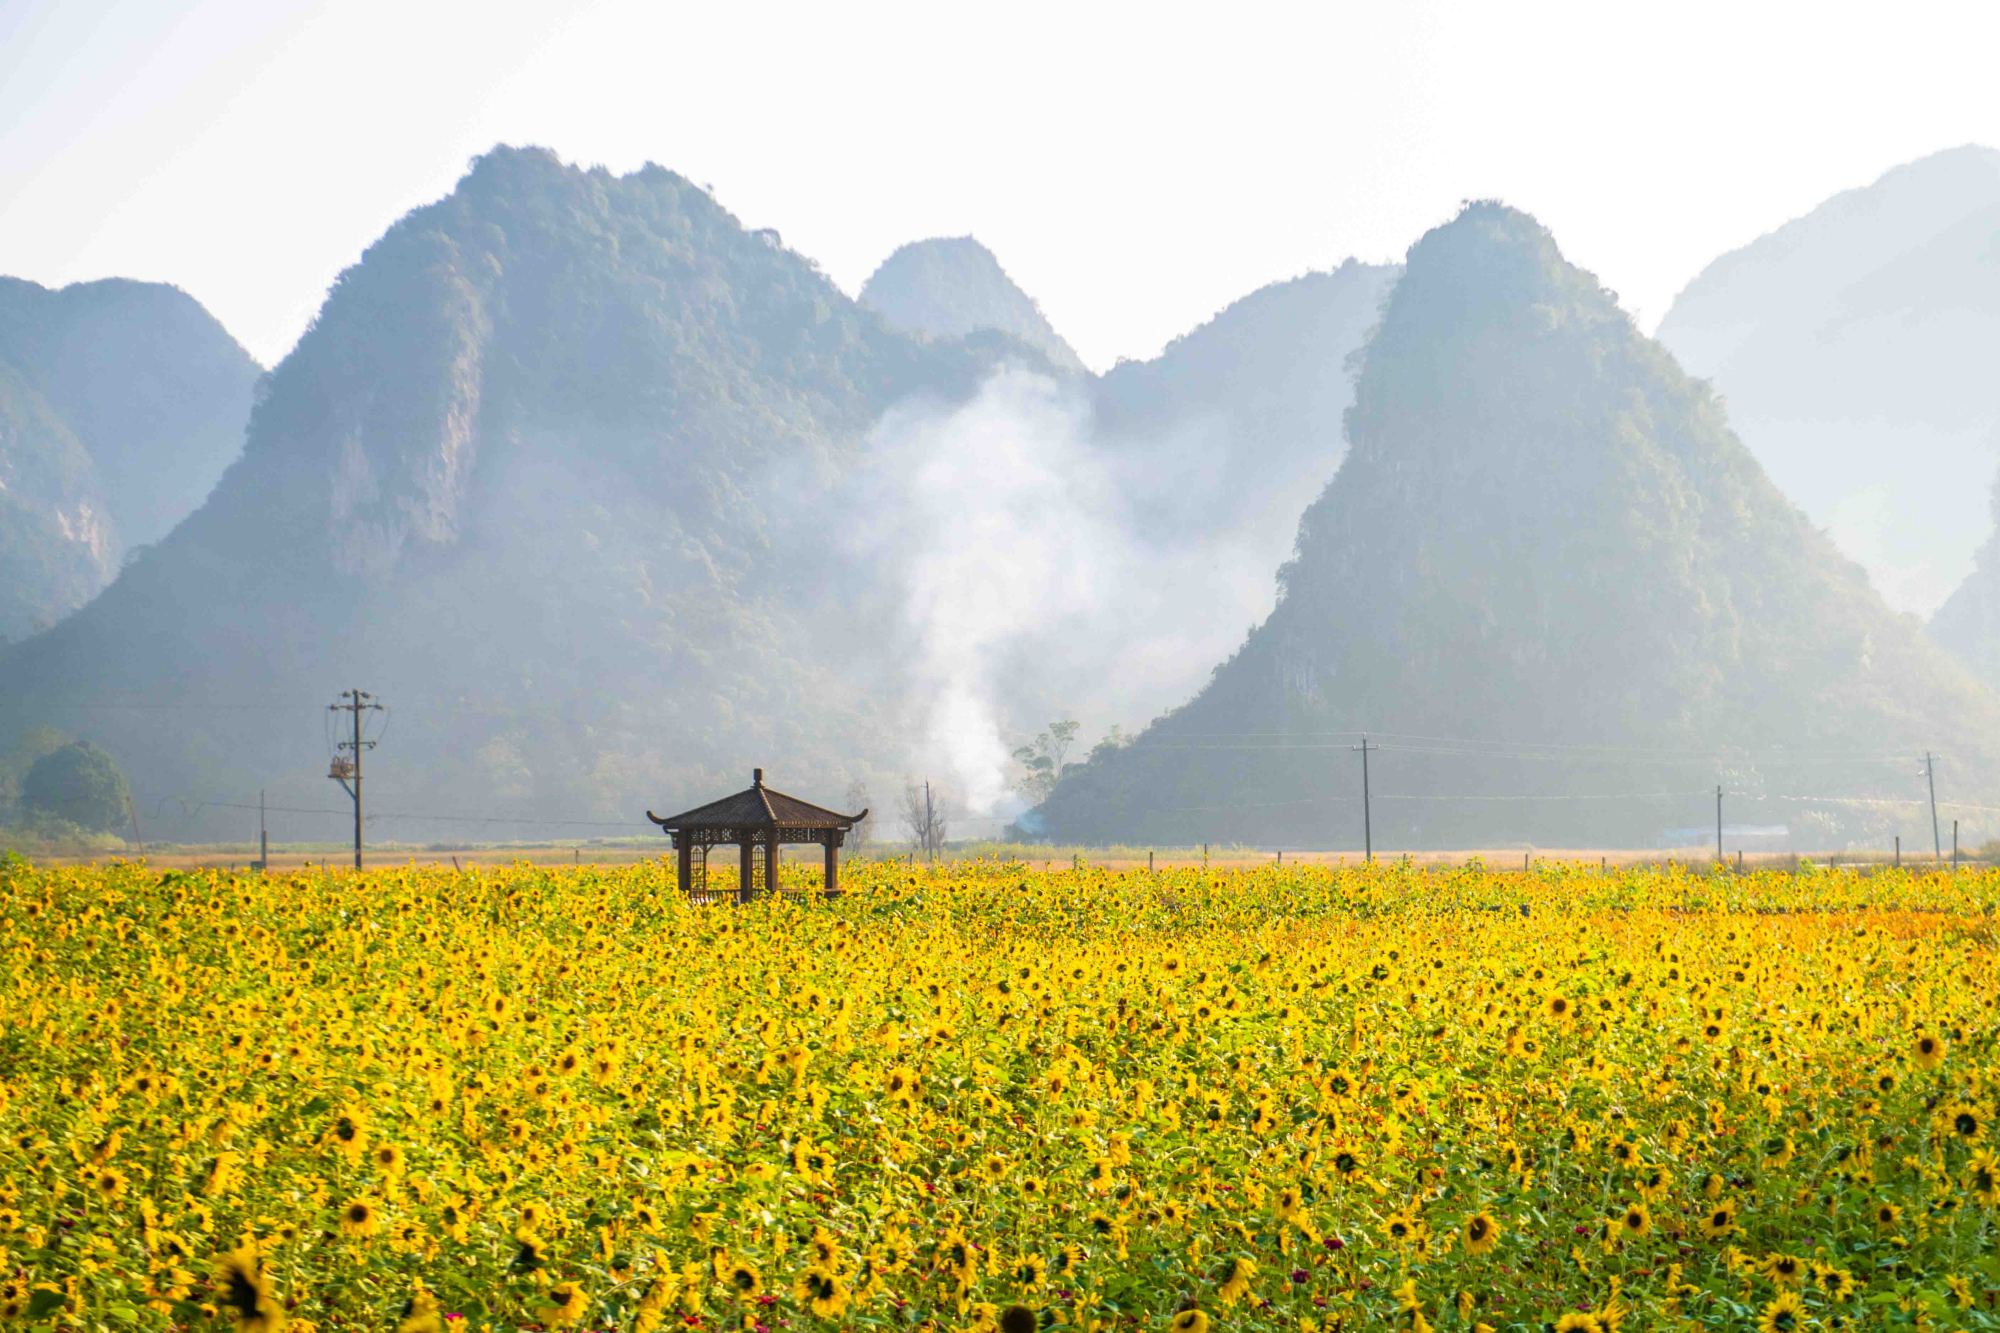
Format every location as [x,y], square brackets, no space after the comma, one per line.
[857,801]
[924,812]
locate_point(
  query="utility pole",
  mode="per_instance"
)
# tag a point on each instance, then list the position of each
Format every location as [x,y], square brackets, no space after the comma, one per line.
[1930,778]
[1367,811]
[1718,825]
[263,836]
[346,769]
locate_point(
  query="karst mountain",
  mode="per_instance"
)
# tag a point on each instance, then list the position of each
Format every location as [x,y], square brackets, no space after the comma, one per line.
[120,405]
[537,477]
[951,287]
[565,472]
[1561,598]
[1853,348]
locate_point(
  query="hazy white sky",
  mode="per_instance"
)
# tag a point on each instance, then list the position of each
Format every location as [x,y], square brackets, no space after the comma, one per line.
[1135,167]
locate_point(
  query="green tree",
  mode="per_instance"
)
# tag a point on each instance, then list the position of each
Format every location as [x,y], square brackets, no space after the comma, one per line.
[1042,760]
[79,784]
[1114,741]
[18,759]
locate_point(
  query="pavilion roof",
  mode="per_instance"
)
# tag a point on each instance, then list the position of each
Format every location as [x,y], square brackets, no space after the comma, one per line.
[757,806]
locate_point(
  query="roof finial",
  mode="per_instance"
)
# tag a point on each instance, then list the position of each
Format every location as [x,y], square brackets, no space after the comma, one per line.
[756,777]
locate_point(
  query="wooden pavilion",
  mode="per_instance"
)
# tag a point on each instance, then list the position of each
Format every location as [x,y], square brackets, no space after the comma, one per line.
[758,819]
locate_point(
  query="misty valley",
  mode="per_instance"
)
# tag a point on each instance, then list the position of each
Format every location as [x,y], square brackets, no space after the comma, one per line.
[611,498]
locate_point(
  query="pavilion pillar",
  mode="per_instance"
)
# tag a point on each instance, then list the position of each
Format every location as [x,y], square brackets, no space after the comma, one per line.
[771,863]
[744,888]
[830,881]
[685,846]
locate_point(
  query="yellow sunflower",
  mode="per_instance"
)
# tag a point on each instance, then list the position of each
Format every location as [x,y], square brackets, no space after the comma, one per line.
[822,1291]
[1233,1279]
[1783,1315]
[566,1303]
[1927,1052]
[360,1218]
[245,1292]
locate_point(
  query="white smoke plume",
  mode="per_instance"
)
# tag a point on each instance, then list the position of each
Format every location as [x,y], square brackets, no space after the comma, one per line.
[1029,590]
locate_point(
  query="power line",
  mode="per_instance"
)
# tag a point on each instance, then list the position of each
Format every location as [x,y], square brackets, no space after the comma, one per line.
[1432,796]
[1405,742]
[1379,737]
[190,809]
[1930,780]
[1367,812]
[1564,796]
[347,772]
[1674,758]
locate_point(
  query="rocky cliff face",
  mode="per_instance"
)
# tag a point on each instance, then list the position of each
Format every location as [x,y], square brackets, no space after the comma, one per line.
[121,403]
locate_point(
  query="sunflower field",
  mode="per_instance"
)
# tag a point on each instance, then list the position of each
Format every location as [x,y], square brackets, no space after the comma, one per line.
[984,1098]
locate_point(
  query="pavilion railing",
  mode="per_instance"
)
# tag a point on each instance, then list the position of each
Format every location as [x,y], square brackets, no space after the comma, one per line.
[698,890]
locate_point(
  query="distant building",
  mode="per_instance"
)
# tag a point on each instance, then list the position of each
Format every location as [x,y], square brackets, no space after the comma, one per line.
[1746,837]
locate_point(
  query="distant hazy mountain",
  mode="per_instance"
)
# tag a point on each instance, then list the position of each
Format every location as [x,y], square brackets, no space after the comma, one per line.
[548,474]
[1968,624]
[1854,349]
[949,287]
[120,405]
[1243,414]
[1551,580]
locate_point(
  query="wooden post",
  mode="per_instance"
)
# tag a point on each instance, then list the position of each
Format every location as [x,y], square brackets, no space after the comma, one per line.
[830,880]
[686,858]
[771,862]
[1899,849]
[745,851]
